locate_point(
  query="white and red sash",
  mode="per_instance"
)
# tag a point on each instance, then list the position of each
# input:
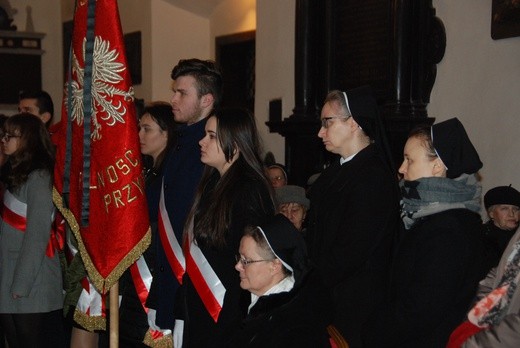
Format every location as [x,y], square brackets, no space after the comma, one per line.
[14,213]
[169,241]
[205,280]
[91,304]
[142,278]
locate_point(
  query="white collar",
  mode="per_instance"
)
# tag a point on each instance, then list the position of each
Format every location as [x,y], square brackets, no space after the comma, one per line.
[285,285]
[345,160]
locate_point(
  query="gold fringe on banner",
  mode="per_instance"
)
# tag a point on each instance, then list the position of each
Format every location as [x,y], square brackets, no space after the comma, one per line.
[101,284]
[163,342]
[88,322]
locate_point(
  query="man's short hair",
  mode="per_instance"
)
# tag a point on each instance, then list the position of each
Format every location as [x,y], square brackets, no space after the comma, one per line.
[43,100]
[206,74]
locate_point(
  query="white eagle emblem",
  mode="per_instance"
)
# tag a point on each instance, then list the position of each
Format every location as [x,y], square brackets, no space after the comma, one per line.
[106,73]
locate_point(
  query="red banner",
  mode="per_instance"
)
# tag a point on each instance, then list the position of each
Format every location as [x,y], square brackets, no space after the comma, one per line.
[99,184]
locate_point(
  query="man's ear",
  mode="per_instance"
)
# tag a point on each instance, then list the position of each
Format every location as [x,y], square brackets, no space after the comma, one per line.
[207,100]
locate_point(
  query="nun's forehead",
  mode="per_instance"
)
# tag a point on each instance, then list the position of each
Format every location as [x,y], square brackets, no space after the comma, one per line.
[334,107]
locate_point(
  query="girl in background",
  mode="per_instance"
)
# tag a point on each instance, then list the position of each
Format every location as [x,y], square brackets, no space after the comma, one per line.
[30,273]
[156,138]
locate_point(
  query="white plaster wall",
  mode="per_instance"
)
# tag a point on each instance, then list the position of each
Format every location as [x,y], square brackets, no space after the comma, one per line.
[176,34]
[231,17]
[46,17]
[274,66]
[478,81]
[168,34]
[135,16]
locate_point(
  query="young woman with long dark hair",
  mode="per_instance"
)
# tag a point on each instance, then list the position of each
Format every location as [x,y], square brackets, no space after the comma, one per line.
[234,192]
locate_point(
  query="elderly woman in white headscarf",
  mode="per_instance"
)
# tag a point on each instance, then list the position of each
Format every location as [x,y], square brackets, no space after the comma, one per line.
[289,307]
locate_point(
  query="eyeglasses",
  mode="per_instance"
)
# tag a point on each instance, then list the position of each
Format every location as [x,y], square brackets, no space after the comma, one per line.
[325,120]
[245,262]
[276,178]
[6,137]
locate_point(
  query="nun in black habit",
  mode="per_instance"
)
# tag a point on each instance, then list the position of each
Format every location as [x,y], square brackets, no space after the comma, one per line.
[354,210]
[289,305]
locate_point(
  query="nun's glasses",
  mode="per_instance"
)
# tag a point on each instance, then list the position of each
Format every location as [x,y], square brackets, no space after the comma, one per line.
[325,120]
[245,262]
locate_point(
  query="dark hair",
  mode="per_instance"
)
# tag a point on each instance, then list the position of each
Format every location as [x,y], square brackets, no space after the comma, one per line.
[3,118]
[208,78]
[236,130]
[35,152]
[43,101]
[161,113]
[423,133]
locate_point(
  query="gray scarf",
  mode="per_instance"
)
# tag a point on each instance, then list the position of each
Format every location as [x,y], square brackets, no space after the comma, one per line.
[428,196]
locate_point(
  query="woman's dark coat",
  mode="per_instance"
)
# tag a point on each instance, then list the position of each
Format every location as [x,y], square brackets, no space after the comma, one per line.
[352,225]
[251,206]
[436,270]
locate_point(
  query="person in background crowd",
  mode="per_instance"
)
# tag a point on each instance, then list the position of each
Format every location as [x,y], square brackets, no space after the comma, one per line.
[234,193]
[3,156]
[37,103]
[502,205]
[157,138]
[354,212]
[293,204]
[494,319]
[437,264]
[289,305]
[197,91]
[30,272]
[277,175]
[3,159]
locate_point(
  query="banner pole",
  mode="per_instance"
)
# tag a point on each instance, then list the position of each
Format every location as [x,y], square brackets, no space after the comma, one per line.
[114,315]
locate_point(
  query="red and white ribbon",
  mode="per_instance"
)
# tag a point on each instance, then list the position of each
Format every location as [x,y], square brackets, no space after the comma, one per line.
[142,278]
[91,303]
[14,213]
[169,241]
[206,281]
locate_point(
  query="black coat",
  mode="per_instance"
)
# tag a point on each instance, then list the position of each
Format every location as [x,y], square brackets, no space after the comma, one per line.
[436,270]
[495,241]
[298,318]
[353,218]
[182,172]
[251,207]
[133,320]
